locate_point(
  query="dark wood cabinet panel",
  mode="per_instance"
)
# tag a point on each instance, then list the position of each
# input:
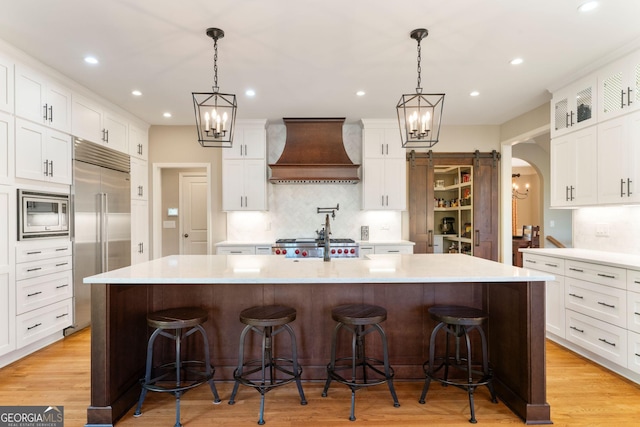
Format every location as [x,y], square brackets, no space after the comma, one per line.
[485,199]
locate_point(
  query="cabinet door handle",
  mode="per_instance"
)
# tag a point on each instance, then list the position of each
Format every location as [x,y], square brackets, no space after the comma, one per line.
[629,187]
[140,190]
[387,153]
[566,121]
[430,238]
[607,342]
[629,101]
[387,200]
[45,117]
[382,200]
[566,193]
[572,118]
[576,269]
[51,114]
[382,149]
[606,305]
[572,188]
[107,132]
[621,98]
[46,168]
[608,276]
[637,281]
[34,326]
[576,329]
[60,316]
[51,171]
[477,239]
[576,296]
[34,294]
[621,187]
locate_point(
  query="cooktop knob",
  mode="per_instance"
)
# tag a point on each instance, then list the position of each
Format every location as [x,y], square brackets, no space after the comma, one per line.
[333,251]
[298,252]
[284,252]
[277,251]
[304,253]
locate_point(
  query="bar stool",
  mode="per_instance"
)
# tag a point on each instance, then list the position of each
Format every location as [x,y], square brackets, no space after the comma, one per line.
[360,320]
[458,322]
[268,321]
[181,375]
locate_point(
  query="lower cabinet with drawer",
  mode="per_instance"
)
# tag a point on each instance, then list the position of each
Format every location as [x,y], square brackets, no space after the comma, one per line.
[554,291]
[44,321]
[599,337]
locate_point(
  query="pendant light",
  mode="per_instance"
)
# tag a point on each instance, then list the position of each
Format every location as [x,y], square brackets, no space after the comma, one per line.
[419,114]
[215,111]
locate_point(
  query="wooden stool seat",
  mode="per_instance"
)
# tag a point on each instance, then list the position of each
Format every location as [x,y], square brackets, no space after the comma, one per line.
[177,318]
[457,315]
[269,315]
[359,314]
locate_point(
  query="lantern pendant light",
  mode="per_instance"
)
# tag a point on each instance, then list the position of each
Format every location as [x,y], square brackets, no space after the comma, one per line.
[420,115]
[215,111]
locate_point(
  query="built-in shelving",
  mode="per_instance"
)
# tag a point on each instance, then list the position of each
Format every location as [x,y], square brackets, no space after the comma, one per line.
[453,204]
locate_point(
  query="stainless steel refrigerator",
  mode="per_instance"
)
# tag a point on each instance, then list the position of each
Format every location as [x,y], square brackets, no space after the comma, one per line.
[101,220]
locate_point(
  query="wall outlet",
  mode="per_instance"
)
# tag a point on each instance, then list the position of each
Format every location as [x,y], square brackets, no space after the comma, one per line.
[364,232]
[602,230]
[384,227]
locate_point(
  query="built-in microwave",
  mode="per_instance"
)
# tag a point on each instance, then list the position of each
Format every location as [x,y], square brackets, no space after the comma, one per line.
[42,215]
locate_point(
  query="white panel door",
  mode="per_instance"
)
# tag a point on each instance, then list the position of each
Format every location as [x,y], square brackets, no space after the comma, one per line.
[6,148]
[193,220]
[7,269]
[30,142]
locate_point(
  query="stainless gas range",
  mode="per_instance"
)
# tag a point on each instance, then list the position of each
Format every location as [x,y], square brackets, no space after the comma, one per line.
[314,248]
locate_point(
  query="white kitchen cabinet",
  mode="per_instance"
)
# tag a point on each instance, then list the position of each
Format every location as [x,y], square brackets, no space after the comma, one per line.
[633,359]
[248,141]
[236,250]
[619,160]
[139,231]
[244,169]
[42,154]
[43,290]
[6,148]
[93,122]
[619,87]
[573,166]
[384,183]
[554,291]
[263,249]
[139,179]
[138,142]
[6,84]
[605,340]
[574,107]
[393,249]
[38,324]
[7,269]
[41,100]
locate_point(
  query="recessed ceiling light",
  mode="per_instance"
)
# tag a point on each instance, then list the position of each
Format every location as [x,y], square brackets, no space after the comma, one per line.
[136,93]
[167,115]
[250,92]
[91,60]
[587,6]
[360,93]
[516,61]
[474,93]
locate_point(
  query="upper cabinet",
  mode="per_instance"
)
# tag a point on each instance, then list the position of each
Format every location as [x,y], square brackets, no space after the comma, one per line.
[384,167]
[41,100]
[6,84]
[6,148]
[138,142]
[619,160]
[619,87]
[244,169]
[93,122]
[574,107]
[573,163]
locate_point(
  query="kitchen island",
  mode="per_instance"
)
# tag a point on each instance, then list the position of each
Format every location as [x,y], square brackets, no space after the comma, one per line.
[406,285]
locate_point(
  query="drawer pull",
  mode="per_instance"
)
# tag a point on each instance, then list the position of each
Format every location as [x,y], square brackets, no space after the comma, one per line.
[29,270]
[62,249]
[531,261]
[606,305]
[34,326]
[62,315]
[576,329]
[637,281]
[397,251]
[551,265]
[608,276]
[235,252]
[607,342]
[637,354]
[34,253]
[576,296]
[61,286]
[61,264]
[34,294]
[576,269]
[636,313]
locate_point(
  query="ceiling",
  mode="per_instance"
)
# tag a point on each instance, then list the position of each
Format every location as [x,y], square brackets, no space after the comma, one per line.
[308,58]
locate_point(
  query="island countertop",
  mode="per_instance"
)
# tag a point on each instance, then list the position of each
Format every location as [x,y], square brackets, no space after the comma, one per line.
[257,269]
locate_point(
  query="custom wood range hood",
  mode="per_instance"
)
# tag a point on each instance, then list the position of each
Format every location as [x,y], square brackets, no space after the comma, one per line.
[314,153]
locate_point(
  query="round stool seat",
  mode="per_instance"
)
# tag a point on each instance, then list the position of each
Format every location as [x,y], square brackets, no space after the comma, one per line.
[177,318]
[268,315]
[359,314]
[458,315]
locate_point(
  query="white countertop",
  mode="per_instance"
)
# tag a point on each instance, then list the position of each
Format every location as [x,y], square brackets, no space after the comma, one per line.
[613,259]
[269,269]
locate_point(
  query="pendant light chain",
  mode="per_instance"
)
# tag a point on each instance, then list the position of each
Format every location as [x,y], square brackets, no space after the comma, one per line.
[215,65]
[419,89]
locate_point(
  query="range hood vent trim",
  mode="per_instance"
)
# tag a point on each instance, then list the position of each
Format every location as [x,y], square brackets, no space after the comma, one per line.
[314,153]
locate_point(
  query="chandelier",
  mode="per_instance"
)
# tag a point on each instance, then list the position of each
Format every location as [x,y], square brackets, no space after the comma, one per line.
[215,111]
[515,190]
[420,115]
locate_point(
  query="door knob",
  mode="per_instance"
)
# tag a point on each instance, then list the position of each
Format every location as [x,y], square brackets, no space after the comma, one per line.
[186,235]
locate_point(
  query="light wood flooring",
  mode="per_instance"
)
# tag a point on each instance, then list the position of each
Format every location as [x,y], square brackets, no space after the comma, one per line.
[580,394]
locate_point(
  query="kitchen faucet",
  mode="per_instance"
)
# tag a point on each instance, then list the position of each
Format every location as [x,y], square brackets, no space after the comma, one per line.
[327,232]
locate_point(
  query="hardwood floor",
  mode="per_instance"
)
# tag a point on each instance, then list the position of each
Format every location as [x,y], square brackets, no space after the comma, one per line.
[580,394]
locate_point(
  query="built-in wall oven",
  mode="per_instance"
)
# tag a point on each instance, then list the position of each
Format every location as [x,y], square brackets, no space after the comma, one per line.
[42,215]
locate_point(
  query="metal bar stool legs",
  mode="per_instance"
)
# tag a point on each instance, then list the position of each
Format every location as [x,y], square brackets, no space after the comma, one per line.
[458,322]
[174,377]
[360,320]
[267,321]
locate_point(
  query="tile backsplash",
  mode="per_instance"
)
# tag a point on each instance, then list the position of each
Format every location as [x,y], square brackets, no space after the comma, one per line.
[293,207]
[621,223]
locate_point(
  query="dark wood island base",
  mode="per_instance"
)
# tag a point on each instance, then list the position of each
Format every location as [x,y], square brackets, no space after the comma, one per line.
[515,331]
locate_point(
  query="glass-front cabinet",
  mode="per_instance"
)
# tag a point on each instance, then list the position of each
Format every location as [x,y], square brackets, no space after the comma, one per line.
[453,208]
[574,107]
